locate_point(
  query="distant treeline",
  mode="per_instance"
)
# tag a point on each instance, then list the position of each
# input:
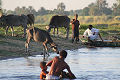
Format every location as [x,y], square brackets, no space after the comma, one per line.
[98,8]
[104,20]
[95,13]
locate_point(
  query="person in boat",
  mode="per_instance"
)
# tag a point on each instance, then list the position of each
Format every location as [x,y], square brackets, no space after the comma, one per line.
[58,64]
[44,70]
[75,29]
[92,34]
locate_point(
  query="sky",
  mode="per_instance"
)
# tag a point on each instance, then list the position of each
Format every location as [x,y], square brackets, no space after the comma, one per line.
[49,4]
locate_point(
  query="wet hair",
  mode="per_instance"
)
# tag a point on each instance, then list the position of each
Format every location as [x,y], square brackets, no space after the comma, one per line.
[63,53]
[42,64]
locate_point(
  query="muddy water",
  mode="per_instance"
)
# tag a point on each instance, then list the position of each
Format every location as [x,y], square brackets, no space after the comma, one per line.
[85,63]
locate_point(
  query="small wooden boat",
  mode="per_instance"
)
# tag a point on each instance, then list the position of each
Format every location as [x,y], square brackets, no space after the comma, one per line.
[107,43]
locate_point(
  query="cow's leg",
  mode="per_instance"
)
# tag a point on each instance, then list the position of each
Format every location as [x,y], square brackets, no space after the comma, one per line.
[54,31]
[44,52]
[45,47]
[25,27]
[57,31]
[12,30]
[6,30]
[27,43]
[67,30]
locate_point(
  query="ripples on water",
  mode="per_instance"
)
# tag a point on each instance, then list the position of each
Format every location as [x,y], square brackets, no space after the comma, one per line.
[85,63]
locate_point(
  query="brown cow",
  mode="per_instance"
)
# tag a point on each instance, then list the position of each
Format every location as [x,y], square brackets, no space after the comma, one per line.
[39,36]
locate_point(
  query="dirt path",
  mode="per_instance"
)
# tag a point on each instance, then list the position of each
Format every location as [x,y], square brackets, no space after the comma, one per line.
[11,47]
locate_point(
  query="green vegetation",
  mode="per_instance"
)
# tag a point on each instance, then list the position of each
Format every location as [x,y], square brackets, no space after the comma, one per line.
[110,28]
[14,46]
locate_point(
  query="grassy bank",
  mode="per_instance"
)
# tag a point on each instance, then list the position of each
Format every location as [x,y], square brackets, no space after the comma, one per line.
[14,46]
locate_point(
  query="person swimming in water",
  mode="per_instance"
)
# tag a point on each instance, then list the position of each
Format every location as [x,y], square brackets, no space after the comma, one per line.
[44,70]
[58,64]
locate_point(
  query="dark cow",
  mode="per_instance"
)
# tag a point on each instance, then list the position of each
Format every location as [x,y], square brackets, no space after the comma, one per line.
[39,36]
[31,19]
[14,20]
[59,21]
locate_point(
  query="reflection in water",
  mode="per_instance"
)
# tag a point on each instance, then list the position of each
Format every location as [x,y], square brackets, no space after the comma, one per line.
[85,63]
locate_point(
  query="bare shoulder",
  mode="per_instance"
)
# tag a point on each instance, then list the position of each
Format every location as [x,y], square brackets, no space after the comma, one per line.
[67,66]
[56,57]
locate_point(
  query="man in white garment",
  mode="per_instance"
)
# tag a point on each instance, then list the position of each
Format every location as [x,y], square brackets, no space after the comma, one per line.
[92,34]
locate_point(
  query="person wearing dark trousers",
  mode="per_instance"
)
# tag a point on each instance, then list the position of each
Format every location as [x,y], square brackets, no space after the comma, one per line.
[75,29]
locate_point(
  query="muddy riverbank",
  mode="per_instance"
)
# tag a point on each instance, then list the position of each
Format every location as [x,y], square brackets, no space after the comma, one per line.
[11,47]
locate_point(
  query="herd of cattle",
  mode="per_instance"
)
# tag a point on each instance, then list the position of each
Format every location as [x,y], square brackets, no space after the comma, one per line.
[37,34]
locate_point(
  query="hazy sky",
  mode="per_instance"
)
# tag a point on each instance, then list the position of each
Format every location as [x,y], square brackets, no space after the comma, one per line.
[49,4]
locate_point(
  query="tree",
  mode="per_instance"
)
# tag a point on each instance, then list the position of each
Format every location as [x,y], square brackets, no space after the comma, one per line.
[85,11]
[42,11]
[24,10]
[61,8]
[116,8]
[93,10]
[0,4]
[79,12]
[9,12]
[102,5]
[1,8]
[118,1]
[31,10]
[17,10]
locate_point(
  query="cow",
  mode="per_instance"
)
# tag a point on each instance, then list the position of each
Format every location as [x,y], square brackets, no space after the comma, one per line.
[59,21]
[39,35]
[31,19]
[14,20]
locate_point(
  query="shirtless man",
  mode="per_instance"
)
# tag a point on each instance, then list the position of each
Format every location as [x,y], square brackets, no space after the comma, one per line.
[58,65]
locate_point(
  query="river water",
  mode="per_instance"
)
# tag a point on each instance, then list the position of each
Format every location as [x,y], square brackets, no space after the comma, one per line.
[85,63]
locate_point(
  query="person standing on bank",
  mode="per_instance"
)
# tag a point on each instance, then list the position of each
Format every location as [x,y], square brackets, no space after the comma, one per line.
[75,29]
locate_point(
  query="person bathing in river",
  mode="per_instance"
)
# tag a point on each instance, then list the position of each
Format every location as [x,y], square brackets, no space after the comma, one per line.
[44,70]
[57,66]
[75,29]
[92,33]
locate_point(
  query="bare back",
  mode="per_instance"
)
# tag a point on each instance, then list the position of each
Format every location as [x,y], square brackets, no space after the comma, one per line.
[57,66]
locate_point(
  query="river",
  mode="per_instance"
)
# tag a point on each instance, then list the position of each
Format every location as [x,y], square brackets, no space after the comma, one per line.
[85,63]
